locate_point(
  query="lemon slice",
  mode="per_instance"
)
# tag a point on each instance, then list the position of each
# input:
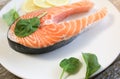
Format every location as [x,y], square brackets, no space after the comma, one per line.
[29,6]
[42,3]
[57,2]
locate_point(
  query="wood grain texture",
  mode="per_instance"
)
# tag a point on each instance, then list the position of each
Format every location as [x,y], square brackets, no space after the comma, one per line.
[116,3]
[4,74]
[3,2]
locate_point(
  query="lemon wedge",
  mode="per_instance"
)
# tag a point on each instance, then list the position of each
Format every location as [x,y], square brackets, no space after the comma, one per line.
[42,3]
[29,6]
[57,2]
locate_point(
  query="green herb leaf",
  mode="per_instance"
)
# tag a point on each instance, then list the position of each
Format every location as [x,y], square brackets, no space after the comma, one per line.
[10,16]
[25,27]
[71,66]
[92,63]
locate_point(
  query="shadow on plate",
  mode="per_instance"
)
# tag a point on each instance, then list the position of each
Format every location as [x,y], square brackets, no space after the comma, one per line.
[83,39]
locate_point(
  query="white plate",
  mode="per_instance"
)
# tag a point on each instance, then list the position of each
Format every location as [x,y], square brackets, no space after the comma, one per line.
[102,40]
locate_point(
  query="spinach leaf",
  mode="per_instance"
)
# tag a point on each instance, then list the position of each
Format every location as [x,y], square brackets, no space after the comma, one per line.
[71,66]
[10,16]
[25,27]
[92,63]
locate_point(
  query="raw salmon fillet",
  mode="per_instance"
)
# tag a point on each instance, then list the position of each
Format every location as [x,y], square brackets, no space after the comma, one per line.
[52,31]
[57,14]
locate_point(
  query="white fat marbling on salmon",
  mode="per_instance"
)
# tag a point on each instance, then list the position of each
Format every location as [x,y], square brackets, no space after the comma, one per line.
[51,33]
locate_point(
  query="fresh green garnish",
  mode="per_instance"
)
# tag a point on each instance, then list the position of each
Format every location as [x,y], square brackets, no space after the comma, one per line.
[25,27]
[10,16]
[71,66]
[92,63]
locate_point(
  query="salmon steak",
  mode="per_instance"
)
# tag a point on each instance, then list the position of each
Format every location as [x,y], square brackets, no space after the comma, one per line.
[52,33]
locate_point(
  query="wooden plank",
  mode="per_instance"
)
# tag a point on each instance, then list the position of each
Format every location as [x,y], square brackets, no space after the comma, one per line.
[116,3]
[4,74]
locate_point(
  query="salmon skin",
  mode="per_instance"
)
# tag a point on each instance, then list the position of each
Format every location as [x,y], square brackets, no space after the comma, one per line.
[52,34]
